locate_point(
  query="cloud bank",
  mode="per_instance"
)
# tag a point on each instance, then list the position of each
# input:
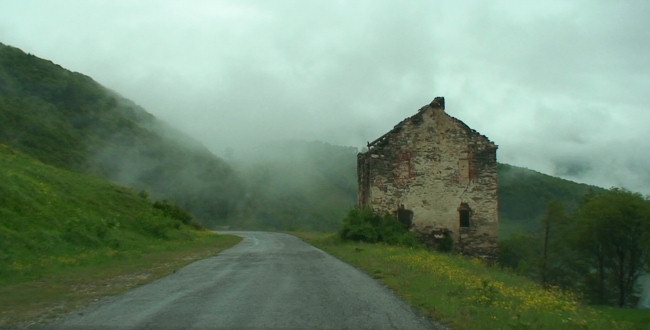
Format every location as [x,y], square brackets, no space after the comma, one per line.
[561,87]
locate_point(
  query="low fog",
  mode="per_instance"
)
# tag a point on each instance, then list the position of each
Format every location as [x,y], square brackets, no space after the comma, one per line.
[560,87]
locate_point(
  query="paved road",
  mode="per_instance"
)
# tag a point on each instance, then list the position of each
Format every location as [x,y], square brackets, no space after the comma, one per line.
[269,280]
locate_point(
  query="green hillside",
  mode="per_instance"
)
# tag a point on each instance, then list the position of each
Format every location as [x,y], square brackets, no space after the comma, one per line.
[524,194]
[66,119]
[50,217]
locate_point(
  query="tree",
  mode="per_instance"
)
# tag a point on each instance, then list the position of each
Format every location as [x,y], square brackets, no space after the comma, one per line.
[554,216]
[517,253]
[608,231]
[543,254]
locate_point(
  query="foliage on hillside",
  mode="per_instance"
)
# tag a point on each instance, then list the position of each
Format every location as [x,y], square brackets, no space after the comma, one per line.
[54,217]
[66,119]
[524,193]
[599,250]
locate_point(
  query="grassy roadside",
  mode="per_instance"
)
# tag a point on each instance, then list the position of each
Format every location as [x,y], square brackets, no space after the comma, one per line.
[67,238]
[63,289]
[466,294]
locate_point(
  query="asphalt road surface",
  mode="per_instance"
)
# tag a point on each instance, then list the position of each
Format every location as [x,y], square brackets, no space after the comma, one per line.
[268,281]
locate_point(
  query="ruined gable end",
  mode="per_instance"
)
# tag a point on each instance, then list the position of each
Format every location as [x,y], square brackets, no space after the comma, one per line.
[438,174]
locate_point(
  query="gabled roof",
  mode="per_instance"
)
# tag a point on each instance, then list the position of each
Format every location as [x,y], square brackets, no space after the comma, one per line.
[437,103]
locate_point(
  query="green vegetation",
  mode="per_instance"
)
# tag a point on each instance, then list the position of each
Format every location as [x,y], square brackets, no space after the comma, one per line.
[55,218]
[593,255]
[81,279]
[610,234]
[173,211]
[364,225]
[598,250]
[68,120]
[524,194]
[62,232]
[466,294]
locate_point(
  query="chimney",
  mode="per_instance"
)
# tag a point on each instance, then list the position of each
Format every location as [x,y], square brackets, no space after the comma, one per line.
[438,103]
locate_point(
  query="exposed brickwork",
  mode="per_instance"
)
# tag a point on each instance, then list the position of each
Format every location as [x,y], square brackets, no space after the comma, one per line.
[443,171]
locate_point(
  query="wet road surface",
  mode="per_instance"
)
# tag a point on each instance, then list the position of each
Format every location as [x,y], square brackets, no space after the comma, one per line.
[268,281]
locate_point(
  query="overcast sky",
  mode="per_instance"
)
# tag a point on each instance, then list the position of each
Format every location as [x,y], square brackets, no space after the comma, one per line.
[563,87]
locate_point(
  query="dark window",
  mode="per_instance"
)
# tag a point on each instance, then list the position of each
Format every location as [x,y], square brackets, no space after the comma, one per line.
[464,214]
[405,216]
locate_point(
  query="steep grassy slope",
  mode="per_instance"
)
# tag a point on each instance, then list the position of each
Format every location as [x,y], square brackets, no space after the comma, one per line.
[67,239]
[54,218]
[66,119]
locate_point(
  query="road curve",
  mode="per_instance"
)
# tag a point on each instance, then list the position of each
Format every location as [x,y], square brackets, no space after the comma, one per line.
[269,280]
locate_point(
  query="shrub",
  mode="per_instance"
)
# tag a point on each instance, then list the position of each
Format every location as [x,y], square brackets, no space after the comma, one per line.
[197,225]
[363,224]
[158,227]
[173,211]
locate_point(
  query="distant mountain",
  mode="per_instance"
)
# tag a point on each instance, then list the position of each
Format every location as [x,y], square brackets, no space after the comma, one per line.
[66,119]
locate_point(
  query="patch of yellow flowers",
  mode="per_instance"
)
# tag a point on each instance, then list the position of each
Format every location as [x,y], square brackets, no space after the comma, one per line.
[480,289]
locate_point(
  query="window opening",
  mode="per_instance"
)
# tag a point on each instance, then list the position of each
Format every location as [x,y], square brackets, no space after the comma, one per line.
[464,214]
[404,216]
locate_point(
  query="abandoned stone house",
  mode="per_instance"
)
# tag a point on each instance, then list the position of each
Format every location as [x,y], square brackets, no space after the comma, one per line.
[438,176]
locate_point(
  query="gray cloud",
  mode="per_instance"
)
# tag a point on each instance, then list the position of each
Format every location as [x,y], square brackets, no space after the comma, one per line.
[561,87]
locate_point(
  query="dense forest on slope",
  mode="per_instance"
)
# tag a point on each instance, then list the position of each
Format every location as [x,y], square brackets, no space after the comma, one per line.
[66,119]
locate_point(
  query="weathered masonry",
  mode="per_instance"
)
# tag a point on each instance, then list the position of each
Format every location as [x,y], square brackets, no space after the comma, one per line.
[434,172]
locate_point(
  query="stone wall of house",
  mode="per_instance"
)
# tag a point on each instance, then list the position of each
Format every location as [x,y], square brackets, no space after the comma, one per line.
[437,167]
